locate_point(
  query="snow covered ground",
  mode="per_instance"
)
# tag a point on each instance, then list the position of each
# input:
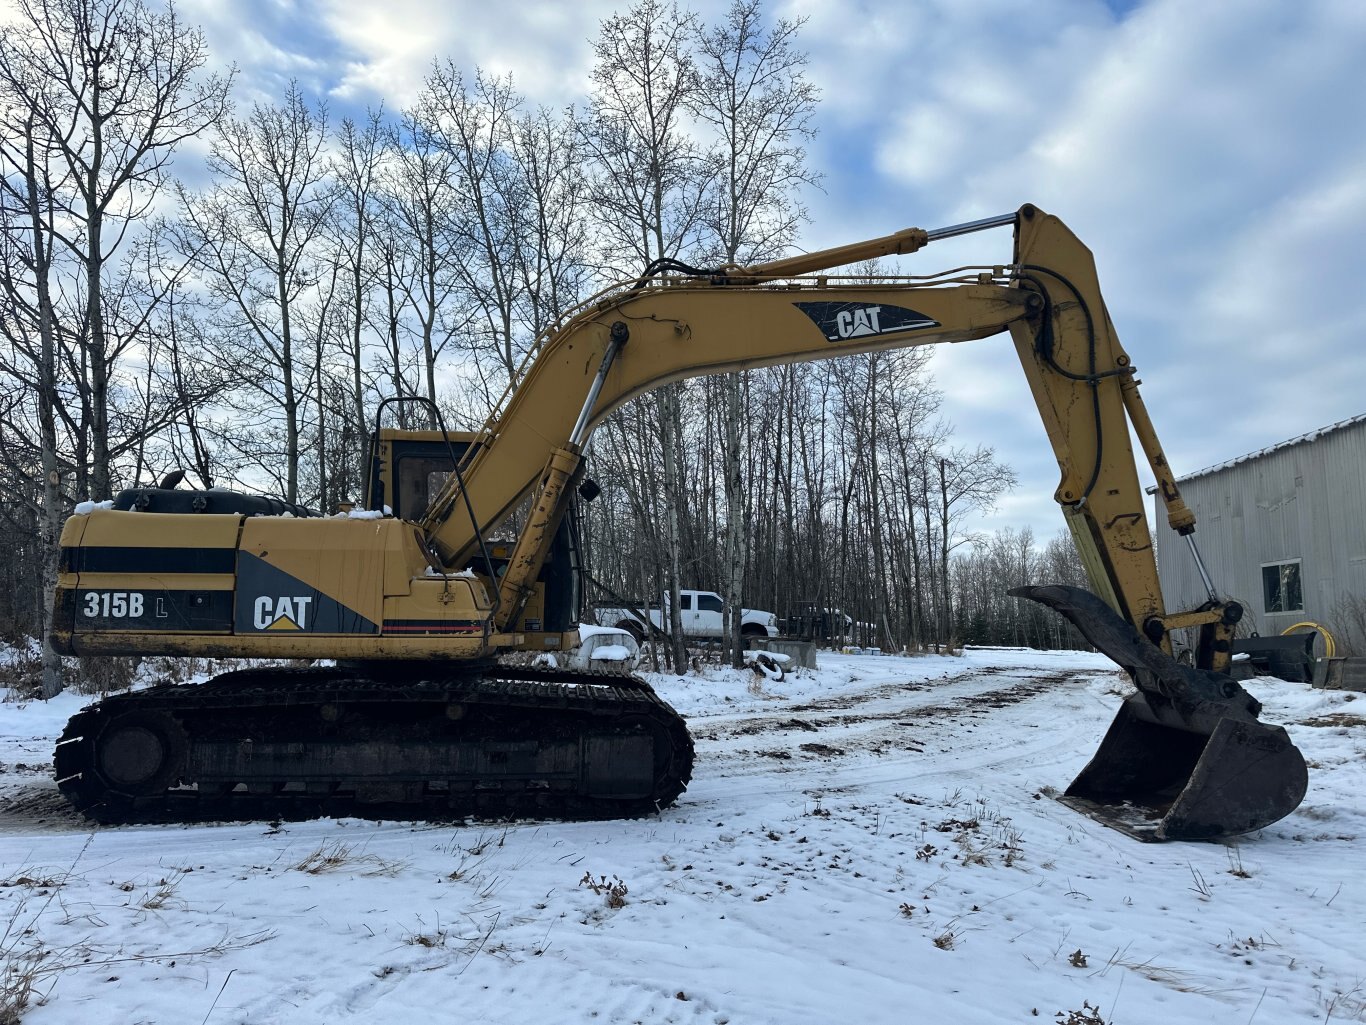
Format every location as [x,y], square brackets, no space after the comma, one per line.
[872,842]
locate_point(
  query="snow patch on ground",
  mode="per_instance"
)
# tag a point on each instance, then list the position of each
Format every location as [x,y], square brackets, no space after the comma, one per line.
[872,842]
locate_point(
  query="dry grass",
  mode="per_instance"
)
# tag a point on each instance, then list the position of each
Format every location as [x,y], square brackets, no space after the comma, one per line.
[980,833]
[467,941]
[105,674]
[1349,616]
[26,970]
[30,967]
[1201,888]
[613,891]
[1088,1015]
[1343,1004]
[430,938]
[163,894]
[1336,719]
[31,878]
[1176,978]
[326,857]
[20,972]
[25,959]
[22,674]
[330,857]
[1235,864]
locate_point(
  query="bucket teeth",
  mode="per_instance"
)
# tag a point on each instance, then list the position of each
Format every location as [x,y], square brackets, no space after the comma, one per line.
[1185,758]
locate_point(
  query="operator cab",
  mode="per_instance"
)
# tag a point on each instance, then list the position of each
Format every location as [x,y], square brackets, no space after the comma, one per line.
[408,469]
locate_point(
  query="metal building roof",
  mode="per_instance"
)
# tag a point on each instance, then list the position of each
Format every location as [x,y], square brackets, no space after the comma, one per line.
[1302,439]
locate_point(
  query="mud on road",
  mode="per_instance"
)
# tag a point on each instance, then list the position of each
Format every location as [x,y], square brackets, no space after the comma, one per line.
[30,801]
[909,706]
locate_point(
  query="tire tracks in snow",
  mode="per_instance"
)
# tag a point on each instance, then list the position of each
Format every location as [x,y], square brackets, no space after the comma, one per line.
[877,735]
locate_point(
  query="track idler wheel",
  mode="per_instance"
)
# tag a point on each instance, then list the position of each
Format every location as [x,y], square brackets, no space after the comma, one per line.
[140,754]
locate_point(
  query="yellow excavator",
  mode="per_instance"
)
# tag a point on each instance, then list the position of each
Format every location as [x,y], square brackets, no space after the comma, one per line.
[413,600]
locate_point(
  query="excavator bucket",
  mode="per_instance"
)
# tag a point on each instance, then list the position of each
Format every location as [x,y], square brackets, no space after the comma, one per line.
[1186,757]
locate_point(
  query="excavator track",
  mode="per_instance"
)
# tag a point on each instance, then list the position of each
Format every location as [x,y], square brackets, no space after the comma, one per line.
[288,744]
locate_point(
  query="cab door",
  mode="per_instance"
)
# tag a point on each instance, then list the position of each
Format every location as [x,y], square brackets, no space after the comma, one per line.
[707,615]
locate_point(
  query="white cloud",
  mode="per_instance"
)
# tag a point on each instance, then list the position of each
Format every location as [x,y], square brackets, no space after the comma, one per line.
[392,46]
[1210,154]
[1203,151]
[546,47]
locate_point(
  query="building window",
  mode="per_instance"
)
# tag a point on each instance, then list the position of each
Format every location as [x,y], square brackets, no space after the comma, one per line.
[1281,588]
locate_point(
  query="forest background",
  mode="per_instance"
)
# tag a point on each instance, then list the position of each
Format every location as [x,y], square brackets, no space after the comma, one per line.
[243,328]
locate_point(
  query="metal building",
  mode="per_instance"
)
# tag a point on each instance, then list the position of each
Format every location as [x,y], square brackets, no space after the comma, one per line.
[1283,530]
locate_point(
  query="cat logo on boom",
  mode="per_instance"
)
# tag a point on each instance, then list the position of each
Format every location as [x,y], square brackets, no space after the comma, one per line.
[861,320]
[846,321]
[282,613]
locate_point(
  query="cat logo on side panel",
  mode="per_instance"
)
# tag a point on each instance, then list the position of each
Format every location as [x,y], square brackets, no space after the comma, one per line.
[282,613]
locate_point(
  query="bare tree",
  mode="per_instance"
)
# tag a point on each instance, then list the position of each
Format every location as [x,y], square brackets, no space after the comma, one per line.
[251,236]
[648,189]
[474,126]
[196,377]
[96,95]
[356,167]
[552,243]
[969,480]
[421,254]
[120,89]
[759,106]
[650,176]
[984,614]
[30,329]
[913,430]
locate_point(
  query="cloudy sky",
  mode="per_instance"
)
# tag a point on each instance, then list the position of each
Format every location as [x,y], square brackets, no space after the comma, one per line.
[1211,153]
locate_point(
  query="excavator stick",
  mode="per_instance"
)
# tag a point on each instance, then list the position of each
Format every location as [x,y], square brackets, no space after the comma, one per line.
[1186,757]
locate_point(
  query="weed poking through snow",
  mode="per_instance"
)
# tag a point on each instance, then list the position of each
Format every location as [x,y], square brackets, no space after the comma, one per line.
[329,857]
[613,891]
[1088,1015]
[1201,888]
[1235,864]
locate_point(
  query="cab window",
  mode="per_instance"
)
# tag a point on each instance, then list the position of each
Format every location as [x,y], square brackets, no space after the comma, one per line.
[420,479]
[708,603]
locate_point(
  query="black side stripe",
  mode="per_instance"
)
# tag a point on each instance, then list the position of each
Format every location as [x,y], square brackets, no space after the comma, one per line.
[118,559]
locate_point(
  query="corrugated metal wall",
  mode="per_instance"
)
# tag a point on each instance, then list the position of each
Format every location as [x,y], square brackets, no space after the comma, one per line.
[1304,500]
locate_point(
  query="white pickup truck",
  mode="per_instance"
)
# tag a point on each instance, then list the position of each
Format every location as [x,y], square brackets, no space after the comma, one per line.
[700,612]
